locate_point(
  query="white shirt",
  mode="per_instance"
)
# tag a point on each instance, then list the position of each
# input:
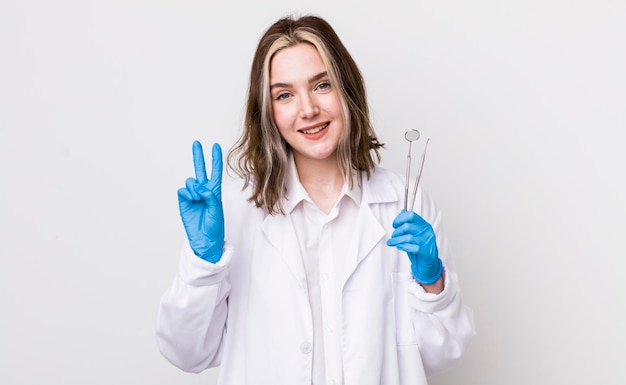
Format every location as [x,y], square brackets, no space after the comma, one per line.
[324,240]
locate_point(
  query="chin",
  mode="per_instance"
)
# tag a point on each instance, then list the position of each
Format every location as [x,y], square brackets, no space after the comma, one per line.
[324,155]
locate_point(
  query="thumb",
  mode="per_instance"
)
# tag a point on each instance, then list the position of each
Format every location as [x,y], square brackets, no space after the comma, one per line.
[207,195]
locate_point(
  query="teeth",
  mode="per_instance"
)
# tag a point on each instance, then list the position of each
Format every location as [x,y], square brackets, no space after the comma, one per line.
[315,130]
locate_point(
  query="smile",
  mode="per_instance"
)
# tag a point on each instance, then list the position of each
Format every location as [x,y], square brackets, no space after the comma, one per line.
[315,130]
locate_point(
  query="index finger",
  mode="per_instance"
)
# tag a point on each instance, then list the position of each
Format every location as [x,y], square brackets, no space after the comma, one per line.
[198,162]
[407,217]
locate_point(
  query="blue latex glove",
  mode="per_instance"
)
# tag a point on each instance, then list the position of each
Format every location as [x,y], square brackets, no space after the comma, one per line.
[416,237]
[200,204]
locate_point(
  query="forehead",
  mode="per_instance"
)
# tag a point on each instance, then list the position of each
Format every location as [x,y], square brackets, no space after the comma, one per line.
[295,63]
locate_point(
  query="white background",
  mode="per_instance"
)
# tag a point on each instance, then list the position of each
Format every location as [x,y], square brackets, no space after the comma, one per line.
[524,102]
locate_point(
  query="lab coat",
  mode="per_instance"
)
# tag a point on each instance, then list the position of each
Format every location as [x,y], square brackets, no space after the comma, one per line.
[250,314]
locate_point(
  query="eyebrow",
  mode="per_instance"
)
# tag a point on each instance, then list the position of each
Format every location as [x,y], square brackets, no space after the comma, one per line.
[312,79]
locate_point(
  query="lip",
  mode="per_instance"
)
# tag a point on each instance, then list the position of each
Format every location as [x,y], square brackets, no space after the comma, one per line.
[313,130]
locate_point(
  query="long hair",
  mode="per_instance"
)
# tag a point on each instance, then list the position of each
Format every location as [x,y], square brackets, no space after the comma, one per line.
[261,155]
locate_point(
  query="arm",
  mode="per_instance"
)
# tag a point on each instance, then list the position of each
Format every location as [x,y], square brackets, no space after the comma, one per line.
[193,311]
[443,324]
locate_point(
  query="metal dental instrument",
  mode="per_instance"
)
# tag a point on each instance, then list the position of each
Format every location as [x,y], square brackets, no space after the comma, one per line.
[419,174]
[411,136]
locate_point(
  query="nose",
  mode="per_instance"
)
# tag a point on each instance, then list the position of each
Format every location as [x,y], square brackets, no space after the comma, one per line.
[308,106]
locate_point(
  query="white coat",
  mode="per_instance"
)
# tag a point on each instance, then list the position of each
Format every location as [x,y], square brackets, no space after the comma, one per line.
[250,312]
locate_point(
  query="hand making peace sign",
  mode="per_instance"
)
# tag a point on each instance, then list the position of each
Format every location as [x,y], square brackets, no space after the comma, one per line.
[200,204]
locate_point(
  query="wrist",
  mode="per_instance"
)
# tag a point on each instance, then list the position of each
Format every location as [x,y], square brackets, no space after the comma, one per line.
[427,273]
[437,287]
[210,253]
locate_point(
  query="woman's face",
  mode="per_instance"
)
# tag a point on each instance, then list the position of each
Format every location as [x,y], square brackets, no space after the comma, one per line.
[306,105]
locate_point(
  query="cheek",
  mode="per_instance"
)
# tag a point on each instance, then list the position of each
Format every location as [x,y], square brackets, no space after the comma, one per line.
[332,105]
[282,117]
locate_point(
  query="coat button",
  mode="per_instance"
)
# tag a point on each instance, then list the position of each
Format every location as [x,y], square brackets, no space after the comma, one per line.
[306,347]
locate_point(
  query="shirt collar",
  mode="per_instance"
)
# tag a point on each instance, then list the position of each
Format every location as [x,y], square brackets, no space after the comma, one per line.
[296,192]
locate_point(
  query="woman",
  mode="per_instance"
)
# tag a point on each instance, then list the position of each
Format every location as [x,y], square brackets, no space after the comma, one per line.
[306,269]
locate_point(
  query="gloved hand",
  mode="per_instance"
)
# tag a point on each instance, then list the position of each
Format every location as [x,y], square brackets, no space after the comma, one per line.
[200,204]
[416,237]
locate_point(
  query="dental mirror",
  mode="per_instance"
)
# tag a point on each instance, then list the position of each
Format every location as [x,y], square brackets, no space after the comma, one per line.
[410,136]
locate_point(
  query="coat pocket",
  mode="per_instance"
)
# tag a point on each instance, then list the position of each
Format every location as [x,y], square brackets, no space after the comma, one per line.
[410,367]
[405,332]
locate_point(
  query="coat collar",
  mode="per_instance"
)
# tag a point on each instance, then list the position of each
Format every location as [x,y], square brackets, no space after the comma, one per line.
[296,192]
[280,232]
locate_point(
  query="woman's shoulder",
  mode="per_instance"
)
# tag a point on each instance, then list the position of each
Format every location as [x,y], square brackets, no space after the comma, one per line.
[384,175]
[235,191]
[236,198]
[230,184]
[382,186]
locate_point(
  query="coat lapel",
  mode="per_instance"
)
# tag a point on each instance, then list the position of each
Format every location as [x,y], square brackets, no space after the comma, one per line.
[281,234]
[369,231]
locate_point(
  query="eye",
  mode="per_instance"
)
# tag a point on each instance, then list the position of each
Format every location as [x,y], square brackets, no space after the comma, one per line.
[282,96]
[323,86]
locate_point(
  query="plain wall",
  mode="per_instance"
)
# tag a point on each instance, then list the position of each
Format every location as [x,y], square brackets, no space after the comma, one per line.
[524,103]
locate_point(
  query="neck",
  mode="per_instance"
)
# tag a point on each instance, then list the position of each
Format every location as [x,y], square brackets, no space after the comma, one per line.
[321,179]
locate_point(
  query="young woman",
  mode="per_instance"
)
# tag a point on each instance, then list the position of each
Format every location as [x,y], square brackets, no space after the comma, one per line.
[306,269]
